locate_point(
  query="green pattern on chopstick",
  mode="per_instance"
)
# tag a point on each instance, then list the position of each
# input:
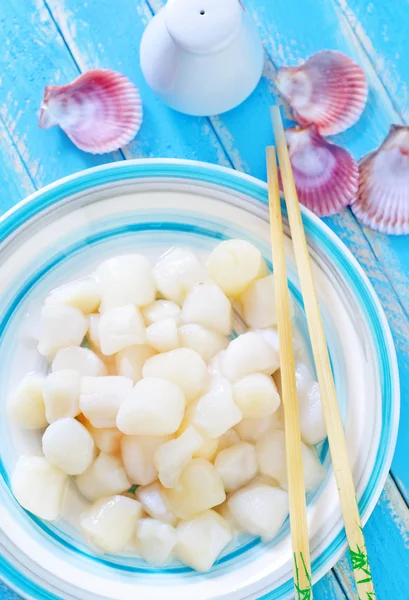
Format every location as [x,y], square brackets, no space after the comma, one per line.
[302,593]
[360,562]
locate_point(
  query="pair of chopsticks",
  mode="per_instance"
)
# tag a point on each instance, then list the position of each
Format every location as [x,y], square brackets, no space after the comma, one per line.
[335,432]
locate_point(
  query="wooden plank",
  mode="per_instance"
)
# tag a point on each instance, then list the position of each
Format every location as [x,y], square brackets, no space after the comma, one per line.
[328,588]
[380,28]
[7,594]
[15,181]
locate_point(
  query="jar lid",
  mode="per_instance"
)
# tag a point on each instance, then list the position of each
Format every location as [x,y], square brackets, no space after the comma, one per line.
[203,26]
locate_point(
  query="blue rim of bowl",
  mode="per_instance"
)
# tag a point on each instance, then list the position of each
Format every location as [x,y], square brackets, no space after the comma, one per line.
[316,231]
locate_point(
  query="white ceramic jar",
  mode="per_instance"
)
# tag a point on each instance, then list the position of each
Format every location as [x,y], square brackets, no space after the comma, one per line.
[202,57]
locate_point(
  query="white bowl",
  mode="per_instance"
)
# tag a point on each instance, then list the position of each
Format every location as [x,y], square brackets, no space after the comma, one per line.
[149,205]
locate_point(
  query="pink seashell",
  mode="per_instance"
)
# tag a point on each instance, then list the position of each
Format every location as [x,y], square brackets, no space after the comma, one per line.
[325,175]
[100,111]
[329,90]
[383,195]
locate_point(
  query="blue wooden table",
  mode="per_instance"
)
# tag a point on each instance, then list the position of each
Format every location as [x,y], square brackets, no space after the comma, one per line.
[52,41]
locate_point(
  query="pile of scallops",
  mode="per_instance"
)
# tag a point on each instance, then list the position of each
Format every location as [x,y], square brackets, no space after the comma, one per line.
[168,421]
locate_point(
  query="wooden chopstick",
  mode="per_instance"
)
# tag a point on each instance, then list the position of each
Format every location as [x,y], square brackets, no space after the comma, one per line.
[296,486]
[333,422]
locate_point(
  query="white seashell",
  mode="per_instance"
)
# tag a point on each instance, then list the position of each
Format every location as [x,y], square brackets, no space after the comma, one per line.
[82,360]
[205,342]
[61,326]
[207,305]
[126,279]
[105,477]
[39,486]
[236,465]
[83,294]
[129,361]
[234,264]
[100,111]
[26,406]
[256,396]
[177,272]
[101,398]
[199,488]
[182,366]
[138,457]
[171,457]
[259,509]
[202,539]
[215,412]
[69,446]
[163,336]
[121,327]
[154,407]
[61,392]
[155,541]
[248,354]
[110,522]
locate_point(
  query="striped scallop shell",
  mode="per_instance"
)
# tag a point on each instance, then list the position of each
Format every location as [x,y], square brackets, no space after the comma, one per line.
[328,90]
[100,111]
[383,197]
[325,175]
